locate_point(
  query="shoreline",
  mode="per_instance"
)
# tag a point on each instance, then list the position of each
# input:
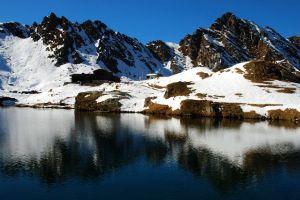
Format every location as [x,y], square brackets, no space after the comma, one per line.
[252,116]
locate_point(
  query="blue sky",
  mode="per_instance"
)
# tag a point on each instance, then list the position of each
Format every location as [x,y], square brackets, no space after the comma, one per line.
[168,20]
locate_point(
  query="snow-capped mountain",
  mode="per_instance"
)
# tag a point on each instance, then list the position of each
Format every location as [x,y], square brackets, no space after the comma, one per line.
[40,63]
[73,47]
[231,40]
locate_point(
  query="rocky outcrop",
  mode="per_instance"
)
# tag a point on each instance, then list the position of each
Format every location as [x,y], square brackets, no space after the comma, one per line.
[295,40]
[260,71]
[15,29]
[177,89]
[99,76]
[161,50]
[167,55]
[228,41]
[287,114]
[87,101]
[204,108]
[231,40]
[61,38]
[75,43]
[154,108]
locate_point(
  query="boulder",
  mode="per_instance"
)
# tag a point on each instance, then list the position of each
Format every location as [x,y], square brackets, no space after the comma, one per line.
[87,101]
[177,89]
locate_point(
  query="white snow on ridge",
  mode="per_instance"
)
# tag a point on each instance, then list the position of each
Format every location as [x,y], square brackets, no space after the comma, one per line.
[25,66]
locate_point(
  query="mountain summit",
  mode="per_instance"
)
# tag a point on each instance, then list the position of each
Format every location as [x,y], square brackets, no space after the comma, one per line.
[231,40]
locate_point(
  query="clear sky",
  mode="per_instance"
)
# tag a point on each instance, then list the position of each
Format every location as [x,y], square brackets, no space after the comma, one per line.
[168,20]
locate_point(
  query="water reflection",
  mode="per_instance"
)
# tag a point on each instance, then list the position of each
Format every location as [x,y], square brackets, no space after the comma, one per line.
[57,145]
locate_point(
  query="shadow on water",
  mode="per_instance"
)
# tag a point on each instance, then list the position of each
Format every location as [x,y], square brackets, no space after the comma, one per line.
[56,146]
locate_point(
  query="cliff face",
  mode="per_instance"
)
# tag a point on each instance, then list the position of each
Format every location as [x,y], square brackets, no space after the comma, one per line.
[228,41]
[91,43]
[231,40]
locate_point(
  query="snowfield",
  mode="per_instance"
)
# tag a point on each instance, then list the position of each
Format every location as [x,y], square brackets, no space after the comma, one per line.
[25,66]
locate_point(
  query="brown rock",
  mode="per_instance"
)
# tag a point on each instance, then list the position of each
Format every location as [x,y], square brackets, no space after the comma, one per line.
[86,101]
[155,108]
[287,114]
[177,89]
[260,71]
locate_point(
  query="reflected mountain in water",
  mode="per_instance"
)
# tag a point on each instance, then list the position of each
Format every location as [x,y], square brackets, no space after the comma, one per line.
[58,145]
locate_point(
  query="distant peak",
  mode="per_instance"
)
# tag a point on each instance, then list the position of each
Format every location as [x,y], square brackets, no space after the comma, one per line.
[52,16]
[228,15]
[227,19]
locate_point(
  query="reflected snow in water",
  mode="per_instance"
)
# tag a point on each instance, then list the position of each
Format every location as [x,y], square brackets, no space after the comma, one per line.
[60,154]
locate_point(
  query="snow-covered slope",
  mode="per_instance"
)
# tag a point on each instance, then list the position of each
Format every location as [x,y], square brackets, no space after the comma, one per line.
[228,86]
[36,64]
[34,56]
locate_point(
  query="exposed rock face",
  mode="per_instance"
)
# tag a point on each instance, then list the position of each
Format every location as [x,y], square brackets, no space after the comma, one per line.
[167,55]
[295,40]
[161,50]
[160,109]
[231,40]
[177,89]
[14,28]
[90,42]
[206,108]
[228,41]
[66,40]
[259,71]
[87,101]
[61,37]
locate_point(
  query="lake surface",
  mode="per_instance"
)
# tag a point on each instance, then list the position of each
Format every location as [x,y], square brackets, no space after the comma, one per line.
[57,154]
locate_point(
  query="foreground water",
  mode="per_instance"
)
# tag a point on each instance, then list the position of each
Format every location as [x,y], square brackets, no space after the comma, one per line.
[56,154]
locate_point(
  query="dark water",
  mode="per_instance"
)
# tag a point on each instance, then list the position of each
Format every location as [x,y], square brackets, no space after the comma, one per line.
[56,154]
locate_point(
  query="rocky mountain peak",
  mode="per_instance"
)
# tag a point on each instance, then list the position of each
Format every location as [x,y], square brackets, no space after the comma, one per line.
[161,50]
[73,42]
[231,40]
[227,20]
[15,29]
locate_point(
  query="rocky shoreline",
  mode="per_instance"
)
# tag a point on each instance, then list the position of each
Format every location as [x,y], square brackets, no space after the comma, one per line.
[213,110]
